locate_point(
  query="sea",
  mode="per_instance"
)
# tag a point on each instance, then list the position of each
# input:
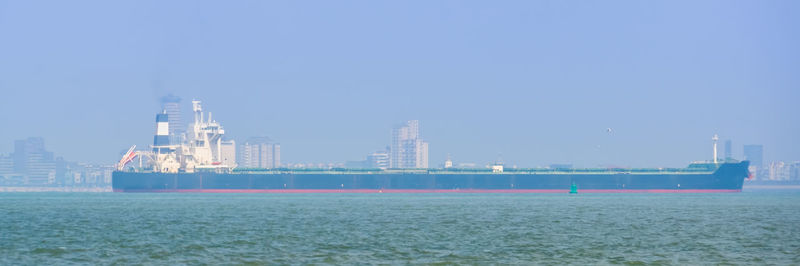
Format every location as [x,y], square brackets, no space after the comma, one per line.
[49,228]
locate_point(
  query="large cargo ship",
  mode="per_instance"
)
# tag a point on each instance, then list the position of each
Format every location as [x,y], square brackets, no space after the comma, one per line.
[197,165]
[697,178]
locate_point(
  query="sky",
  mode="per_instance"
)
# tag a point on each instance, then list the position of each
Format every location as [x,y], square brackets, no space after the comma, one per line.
[531,82]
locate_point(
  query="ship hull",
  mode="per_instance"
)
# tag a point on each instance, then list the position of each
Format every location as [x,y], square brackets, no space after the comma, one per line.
[727,178]
[290,191]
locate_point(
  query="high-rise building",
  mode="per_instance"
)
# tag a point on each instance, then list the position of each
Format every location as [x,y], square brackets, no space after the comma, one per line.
[33,162]
[227,152]
[259,152]
[378,159]
[728,150]
[778,171]
[794,172]
[171,104]
[408,150]
[422,154]
[7,174]
[6,165]
[276,155]
[755,154]
[247,155]
[83,174]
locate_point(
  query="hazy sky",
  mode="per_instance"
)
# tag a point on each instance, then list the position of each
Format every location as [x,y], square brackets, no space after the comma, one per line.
[536,81]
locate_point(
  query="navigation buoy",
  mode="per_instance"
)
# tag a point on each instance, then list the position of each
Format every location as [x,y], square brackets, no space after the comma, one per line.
[573,189]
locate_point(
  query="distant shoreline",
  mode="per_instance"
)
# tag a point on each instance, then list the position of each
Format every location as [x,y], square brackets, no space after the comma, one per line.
[108,189]
[771,187]
[55,189]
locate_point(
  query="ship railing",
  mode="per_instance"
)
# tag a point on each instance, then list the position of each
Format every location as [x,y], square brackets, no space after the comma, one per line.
[533,171]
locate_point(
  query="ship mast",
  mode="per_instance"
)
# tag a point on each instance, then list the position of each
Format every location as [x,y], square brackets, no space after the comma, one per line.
[715,139]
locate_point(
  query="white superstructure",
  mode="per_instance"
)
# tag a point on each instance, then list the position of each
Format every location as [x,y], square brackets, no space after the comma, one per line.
[203,150]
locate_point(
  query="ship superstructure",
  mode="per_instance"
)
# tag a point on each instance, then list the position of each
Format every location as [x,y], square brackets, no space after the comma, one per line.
[202,149]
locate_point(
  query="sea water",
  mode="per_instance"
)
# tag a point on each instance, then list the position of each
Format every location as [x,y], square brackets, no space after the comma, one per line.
[106,228]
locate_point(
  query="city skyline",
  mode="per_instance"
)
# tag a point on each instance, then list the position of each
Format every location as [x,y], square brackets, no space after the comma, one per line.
[170,104]
[265,153]
[330,80]
[406,149]
[32,165]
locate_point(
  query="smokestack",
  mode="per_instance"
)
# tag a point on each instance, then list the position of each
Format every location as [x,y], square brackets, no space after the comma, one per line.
[162,130]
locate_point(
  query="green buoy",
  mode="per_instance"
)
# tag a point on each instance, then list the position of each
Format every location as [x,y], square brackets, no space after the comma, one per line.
[573,189]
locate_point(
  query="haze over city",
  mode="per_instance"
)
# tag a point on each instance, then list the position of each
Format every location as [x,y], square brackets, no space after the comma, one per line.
[352,132]
[329,81]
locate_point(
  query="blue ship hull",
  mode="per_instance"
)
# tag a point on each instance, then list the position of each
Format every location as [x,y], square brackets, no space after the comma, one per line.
[728,177]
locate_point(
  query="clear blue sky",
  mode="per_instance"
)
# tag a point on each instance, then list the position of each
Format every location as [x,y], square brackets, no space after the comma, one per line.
[536,81]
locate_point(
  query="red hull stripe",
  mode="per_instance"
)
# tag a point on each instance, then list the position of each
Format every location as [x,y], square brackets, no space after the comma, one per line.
[431,190]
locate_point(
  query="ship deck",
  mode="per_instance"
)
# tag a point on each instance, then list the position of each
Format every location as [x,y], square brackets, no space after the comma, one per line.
[531,171]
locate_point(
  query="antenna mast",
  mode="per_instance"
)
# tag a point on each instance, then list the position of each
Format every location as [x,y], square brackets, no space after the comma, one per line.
[715,139]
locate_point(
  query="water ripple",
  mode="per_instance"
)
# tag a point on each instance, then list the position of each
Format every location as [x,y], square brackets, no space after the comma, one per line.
[63,228]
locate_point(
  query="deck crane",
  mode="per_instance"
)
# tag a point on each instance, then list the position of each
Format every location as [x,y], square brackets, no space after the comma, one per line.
[128,157]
